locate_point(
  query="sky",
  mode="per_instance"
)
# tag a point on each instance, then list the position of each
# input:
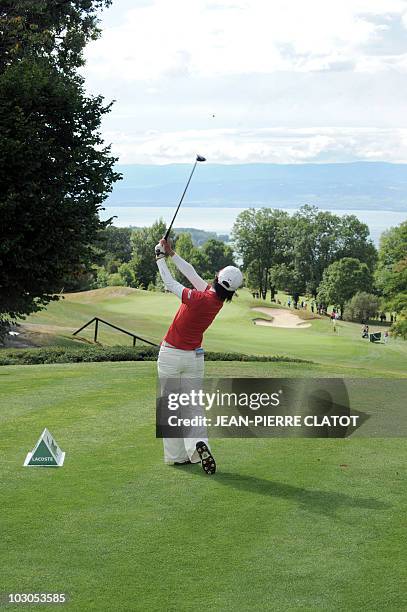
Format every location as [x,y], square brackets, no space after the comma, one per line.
[249,81]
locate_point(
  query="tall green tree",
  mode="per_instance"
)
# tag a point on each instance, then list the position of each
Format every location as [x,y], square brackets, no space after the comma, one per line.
[342,280]
[318,238]
[185,248]
[55,170]
[143,241]
[391,274]
[50,29]
[115,244]
[216,255]
[207,260]
[292,253]
[260,236]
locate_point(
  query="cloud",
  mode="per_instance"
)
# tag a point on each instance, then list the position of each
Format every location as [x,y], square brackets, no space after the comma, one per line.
[253,36]
[222,76]
[267,145]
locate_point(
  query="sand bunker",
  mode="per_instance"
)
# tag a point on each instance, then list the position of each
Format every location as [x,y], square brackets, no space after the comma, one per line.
[281,318]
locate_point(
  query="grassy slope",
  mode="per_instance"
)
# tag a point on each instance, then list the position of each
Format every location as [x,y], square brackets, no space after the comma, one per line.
[284,525]
[149,314]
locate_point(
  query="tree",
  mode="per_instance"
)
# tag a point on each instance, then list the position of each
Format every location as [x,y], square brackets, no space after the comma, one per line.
[185,249]
[292,253]
[318,238]
[342,280]
[207,260]
[353,241]
[202,264]
[115,244]
[289,278]
[159,284]
[54,168]
[219,255]
[184,246]
[253,275]
[143,241]
[101,279]
[127,275]
[391,274]
[261,236]
[361,307]
[312,238]
[56,31]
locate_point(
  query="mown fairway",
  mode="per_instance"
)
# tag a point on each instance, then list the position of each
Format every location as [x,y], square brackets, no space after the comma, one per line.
[149,314]
[283,525]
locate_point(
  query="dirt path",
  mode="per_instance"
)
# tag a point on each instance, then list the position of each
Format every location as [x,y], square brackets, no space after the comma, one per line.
[281,318]
[35,334]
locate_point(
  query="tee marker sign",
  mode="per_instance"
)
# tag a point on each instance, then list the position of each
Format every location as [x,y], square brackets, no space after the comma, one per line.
[46,453]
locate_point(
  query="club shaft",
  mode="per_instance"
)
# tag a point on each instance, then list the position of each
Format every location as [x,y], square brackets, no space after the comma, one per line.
[167,233]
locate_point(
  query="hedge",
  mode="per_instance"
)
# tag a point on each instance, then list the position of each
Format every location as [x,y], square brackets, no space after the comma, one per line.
[55,354]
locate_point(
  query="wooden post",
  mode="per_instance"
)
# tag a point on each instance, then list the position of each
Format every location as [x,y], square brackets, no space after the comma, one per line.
[134,340]
[95,338]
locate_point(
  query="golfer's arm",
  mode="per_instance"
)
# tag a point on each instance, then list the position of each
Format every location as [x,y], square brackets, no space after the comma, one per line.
[189,272]
[170,283]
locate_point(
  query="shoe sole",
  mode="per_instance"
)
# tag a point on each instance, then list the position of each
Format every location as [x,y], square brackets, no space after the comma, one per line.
[207,460]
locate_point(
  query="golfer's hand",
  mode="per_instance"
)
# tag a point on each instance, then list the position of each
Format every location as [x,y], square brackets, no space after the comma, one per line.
[159,250]
[167,246]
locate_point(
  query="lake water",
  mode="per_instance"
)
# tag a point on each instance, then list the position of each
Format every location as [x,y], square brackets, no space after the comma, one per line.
[221,220]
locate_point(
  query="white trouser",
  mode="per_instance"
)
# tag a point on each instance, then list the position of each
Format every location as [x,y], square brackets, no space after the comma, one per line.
[188,369]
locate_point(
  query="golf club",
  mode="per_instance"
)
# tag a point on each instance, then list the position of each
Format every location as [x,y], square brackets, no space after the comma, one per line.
[199,158]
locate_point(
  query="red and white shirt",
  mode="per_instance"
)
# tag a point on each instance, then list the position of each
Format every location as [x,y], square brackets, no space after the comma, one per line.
[194,316]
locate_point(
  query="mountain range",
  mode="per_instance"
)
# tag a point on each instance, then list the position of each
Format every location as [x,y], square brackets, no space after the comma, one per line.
[347,186]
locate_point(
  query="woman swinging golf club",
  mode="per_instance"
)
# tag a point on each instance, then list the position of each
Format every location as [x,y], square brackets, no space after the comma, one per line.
[181,355]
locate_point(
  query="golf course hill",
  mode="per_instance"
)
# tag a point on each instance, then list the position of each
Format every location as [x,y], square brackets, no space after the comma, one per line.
[292,334]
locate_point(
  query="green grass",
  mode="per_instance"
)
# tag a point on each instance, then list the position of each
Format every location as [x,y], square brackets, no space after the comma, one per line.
[284,525]
[149,315]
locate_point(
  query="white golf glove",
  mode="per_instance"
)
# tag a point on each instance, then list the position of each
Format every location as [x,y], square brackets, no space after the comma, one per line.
[159,251]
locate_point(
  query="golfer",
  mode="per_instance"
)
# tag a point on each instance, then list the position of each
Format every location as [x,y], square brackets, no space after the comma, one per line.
[181,355]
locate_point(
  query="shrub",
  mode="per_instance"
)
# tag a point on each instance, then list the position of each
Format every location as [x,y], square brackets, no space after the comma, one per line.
[127,275]
[361,307]
[113,353]
[116,280]
[400,329]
